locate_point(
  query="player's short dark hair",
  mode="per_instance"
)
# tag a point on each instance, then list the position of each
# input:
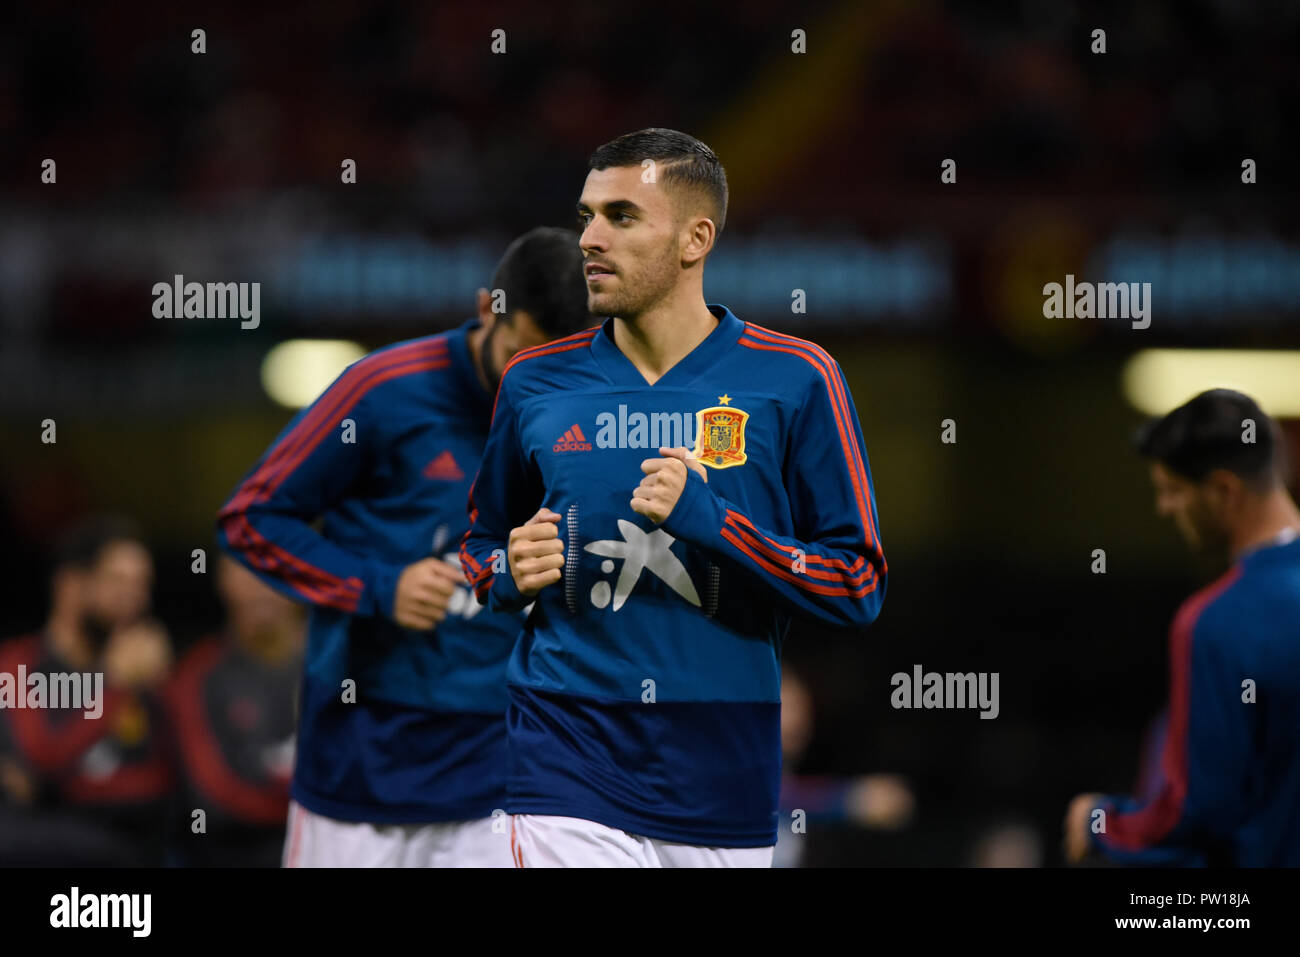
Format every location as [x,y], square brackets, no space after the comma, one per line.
[541,273]
[1206,433]
[82,545]
[681,160]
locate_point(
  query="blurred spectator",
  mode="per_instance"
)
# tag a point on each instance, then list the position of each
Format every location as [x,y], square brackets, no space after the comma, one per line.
[878,801]
[233,708]
[88,785]
[1014,843]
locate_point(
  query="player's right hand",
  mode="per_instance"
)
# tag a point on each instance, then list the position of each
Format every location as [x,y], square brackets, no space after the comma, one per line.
[424,590]
[536,553]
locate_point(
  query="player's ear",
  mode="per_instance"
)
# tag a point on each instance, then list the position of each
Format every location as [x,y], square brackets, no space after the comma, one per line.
[1223,488]
[486,316]
[699,239]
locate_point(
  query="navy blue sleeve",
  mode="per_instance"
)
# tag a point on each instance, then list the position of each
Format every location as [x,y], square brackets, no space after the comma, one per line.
[313,464]
[505,494]
[1203,790]
[832,570]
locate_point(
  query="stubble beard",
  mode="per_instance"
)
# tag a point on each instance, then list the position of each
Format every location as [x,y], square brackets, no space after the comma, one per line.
[655,285]
[1206,539]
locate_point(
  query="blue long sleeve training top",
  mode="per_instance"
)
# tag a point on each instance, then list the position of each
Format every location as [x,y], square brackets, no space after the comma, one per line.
[645,688]
[1229,782]
[384,459]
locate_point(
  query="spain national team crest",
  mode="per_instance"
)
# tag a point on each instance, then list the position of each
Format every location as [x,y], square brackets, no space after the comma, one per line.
[720,436]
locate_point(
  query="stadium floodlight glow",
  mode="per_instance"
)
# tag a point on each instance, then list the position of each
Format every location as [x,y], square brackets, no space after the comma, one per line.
[1158,380]
[297,371]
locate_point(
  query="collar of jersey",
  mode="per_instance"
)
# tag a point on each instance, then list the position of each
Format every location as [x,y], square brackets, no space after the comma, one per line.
[699,361]
[1274,551]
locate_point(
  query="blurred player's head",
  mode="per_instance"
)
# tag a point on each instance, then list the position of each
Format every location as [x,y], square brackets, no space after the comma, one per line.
[103,576]
[540,287]
[1213,460]
[651,211]
[258,617]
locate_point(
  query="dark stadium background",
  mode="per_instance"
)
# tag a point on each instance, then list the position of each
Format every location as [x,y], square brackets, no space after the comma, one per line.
[1126,165]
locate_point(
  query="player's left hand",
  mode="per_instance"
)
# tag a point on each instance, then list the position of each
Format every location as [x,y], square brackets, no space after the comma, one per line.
[665,477]
[1078,820]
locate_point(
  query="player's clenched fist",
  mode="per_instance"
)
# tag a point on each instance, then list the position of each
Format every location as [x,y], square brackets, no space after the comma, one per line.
[663,483]
[424,590]
[536,553]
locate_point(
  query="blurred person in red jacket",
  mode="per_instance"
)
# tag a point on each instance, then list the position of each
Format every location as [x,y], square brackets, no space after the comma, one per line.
[85,769]
[233,710]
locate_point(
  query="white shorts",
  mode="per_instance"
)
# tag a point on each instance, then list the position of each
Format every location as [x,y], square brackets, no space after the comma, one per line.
[547,840]
[313,840]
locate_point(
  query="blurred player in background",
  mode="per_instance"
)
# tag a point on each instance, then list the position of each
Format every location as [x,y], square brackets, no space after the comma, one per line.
[876,801]
[401,742]
[232,707]
[1229,787]
[645,690]
[79,790]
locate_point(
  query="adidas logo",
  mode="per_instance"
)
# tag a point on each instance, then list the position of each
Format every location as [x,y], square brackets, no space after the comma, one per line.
[444,467]
[572,441]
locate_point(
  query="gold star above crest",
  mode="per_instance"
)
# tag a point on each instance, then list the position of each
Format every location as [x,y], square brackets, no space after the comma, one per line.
[724,399]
